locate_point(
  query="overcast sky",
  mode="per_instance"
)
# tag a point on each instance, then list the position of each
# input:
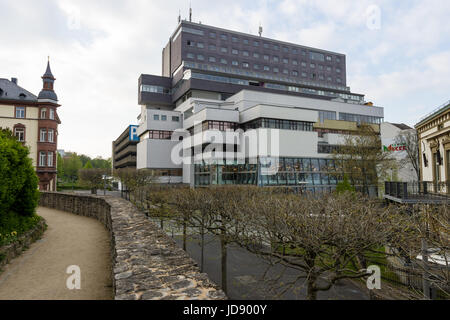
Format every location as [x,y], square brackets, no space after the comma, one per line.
[98,49]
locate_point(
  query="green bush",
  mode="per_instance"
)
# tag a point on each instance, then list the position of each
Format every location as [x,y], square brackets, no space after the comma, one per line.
[19,183]
[344,186]
[13,225]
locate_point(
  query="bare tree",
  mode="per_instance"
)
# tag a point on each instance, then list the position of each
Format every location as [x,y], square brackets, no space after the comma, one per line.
[410,140]
[361,158]
[92,178]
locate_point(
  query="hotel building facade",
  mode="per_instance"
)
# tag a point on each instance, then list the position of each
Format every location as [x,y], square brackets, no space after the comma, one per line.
[34,122]
[293,99]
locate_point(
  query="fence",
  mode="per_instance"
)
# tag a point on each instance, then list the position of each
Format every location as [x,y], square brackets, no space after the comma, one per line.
[419,191]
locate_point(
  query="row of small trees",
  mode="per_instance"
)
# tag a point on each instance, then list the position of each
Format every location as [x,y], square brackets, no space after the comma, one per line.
[327,239]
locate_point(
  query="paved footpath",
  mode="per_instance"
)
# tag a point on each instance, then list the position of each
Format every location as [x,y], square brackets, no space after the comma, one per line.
[40,272]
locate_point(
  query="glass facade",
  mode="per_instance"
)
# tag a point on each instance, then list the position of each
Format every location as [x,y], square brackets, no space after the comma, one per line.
[359,118]
[308,174]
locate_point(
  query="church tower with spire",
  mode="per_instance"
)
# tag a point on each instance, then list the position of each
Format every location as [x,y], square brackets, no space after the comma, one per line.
[47,101]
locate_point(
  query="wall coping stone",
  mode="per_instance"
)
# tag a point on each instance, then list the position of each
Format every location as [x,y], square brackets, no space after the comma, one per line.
[146,263]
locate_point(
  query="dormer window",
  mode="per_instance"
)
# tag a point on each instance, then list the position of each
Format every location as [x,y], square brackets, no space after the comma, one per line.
[22,96]
[44,113]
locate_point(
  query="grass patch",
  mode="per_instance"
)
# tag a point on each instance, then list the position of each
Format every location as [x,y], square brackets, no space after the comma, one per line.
[13,226]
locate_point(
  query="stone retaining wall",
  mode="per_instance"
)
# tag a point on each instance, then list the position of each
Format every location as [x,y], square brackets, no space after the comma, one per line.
[146,263]
[10,251]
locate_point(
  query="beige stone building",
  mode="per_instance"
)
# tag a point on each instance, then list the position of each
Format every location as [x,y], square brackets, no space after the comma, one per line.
[34,121]
[434,146]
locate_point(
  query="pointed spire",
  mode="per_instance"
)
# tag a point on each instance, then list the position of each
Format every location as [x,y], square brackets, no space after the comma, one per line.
[48,71]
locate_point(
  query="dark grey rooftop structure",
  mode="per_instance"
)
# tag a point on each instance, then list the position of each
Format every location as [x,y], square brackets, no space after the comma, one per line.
[10,90]
[225,62]
[47,91]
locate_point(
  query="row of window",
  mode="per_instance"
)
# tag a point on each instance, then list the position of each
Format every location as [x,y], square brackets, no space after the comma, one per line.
[278,124]
[359,118]
[163,117]
[160,134]
[46,135]
[46,159]
[213,59]
[154,89]
[266,45]
[20,113]
[269,85]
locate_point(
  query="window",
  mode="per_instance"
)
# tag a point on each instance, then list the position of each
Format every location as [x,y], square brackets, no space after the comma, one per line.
[276,47]
[285,60]
[327,115]
[190,43]
[155,89]
[163,118]
[235,51]
[190,55]
[303,64]
[212,59]
[234,39]
[256,43]
[42,159]
[294,51]
[276,70]
[312,65]
[256,67]
[255,55]
[175,118]
[338,80]
[338,70]
[20,112]
[328,68]
[338,59]
[223,37]
[234,63]
[266,45]
[245,53]
[275,59]
[285,49]
[50,159]
[295,73]
[200,57]
[316,56]
[266,68]
[52,114]
[320,67]
[266,57]
[50,135]
[19,133]
[200,45]
[212,35]
[43,133]
[223,61]
[212,47]
[156,117]
[285,71]
[328,58]
[224,50]
[245,41]
[245,64]
[304,75]
[159,134]
[295,62]
[44,113]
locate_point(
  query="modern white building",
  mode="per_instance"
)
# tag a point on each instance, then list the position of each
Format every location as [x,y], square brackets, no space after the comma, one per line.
[234,108]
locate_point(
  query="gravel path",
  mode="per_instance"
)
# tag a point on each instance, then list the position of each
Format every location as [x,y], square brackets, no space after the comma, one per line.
[40,272]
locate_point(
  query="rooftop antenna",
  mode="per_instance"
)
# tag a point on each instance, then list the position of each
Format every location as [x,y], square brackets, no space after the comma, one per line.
[260,29]
[179,16]
[190,12]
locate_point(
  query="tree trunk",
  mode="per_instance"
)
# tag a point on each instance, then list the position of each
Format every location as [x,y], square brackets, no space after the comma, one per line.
[311,293]
[202,244]
[184,235]
[223,251]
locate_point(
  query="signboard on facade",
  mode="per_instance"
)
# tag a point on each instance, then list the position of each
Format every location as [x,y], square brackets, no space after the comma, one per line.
[394,147]
[133,136]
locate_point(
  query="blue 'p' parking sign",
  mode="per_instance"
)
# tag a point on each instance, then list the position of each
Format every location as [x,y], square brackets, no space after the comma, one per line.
[133,136]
